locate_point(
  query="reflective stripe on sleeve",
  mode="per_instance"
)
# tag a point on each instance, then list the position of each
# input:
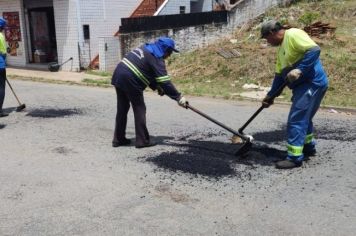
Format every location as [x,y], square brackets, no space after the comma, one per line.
[163,78]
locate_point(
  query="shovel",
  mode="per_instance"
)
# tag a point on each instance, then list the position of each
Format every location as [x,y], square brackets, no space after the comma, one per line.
[246,138]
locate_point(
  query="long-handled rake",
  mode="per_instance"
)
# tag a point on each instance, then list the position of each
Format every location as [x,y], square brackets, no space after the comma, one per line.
[21,105]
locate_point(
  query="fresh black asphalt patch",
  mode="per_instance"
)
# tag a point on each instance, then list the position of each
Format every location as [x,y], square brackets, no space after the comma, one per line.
[53,113]
[215,160]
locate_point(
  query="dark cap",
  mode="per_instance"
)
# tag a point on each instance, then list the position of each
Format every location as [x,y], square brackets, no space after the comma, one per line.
[270,26]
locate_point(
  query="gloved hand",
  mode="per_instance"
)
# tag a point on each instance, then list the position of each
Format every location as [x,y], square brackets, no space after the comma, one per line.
[267,101]
[293,75]
[160,91]
[182,102]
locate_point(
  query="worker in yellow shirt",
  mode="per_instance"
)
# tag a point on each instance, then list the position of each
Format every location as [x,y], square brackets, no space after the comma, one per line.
[298,63]
[2,65]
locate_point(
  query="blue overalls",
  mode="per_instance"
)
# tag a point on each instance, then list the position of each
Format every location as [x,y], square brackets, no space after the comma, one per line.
[298,51]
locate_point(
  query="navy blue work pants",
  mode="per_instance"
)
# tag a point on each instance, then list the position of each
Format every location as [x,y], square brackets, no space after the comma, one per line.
[124,98]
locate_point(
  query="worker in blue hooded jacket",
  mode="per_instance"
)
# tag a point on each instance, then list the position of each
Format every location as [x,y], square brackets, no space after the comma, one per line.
[142,67]
[2,65]
[298,63]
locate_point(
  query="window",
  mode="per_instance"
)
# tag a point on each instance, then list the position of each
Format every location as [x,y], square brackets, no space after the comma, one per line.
[181,9]
[86,32]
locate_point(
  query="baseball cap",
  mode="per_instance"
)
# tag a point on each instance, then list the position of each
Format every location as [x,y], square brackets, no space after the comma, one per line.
[270,26]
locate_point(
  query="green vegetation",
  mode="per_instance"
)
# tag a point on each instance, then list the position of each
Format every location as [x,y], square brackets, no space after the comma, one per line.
[99,73]
[204,72]
[98,82]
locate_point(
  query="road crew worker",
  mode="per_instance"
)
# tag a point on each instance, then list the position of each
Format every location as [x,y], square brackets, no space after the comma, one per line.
[142,67]
[2,65]
[297,62]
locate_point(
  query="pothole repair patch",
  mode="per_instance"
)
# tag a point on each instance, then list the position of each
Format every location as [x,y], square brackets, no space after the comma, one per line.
[53,113]
[200,154]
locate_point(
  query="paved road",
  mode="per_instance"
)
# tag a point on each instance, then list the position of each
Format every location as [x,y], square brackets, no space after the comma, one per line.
[59,174]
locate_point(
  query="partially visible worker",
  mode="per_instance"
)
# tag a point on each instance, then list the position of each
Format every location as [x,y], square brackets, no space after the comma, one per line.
[298,63]
[142,67]
[2,65]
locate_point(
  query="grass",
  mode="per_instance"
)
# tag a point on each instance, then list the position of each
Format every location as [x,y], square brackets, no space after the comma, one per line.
[97,82]
[99,73]
[203,72]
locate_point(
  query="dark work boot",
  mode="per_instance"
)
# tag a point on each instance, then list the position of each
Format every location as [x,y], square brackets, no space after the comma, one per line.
[124,142]
[288,164]
[150,144]
[309,151]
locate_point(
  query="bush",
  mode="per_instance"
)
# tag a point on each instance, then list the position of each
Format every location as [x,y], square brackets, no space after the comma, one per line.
[308,17]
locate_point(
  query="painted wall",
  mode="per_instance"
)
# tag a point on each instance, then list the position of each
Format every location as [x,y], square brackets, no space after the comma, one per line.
[104,19]
[16,6]
[102,16]
[65,17]
[109,53]
[172,7]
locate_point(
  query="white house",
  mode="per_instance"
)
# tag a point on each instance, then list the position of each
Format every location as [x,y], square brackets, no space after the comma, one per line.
[42,31]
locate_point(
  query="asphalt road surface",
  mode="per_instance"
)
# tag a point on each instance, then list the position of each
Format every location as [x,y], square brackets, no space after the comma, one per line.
[59,174]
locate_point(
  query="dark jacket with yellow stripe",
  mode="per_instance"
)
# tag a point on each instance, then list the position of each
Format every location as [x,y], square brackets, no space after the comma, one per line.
[147,70]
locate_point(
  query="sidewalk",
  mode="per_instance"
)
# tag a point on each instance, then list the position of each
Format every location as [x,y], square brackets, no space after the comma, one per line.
[76,77]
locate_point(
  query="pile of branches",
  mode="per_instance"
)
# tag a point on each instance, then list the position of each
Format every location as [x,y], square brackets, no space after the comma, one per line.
[318,28]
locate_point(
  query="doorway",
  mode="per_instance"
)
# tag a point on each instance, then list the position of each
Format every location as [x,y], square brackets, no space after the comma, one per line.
[43,40]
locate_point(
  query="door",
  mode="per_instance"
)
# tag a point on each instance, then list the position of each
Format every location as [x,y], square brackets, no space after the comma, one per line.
[43,35]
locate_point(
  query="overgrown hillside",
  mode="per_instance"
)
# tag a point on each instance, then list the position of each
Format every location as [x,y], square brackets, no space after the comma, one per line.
[205,72]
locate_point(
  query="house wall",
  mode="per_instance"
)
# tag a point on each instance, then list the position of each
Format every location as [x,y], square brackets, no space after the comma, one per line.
[109,53]
[65,17]
[36,3]
[207,5]
[202,5]
[172,7]
[16,6]
[104,19]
